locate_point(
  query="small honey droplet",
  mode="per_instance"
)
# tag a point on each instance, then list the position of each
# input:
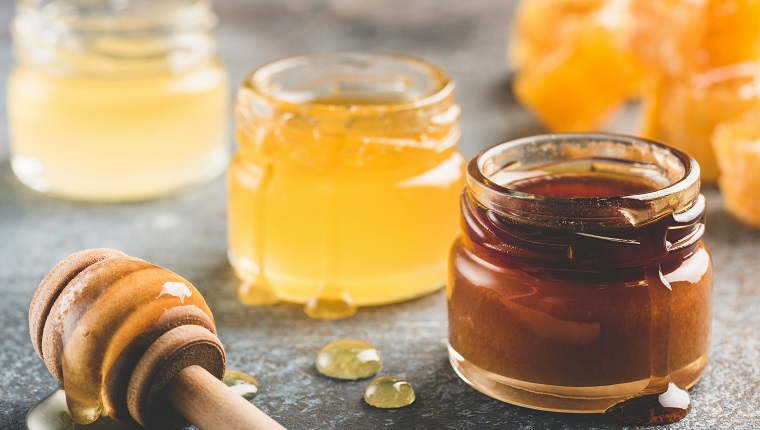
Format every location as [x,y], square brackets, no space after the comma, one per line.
[653,409]
[242,383]
[389,392]
[258,292]
[330,308]
[349,359]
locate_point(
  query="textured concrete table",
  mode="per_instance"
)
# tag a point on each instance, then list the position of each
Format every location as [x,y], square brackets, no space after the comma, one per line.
[186,233]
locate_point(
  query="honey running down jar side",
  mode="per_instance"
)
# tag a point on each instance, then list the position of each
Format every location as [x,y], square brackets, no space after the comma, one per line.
[346,179]
[113,102]
[580,280]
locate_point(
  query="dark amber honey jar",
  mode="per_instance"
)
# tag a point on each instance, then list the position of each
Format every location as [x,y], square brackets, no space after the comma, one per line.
[580,280]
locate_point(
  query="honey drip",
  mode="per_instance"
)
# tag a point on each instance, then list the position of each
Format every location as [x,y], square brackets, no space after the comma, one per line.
[654,405]
[331,304]
[332,301]
[259,291]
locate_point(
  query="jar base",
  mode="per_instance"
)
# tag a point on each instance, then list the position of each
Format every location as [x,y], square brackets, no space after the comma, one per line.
[126,186]
[595,399]
[376,291]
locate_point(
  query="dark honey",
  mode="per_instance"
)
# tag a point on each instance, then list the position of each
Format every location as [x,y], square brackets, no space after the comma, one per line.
[583,185]
[575,314]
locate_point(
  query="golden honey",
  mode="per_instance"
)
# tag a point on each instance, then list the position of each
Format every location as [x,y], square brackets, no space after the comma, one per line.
[344,188]
[116,103]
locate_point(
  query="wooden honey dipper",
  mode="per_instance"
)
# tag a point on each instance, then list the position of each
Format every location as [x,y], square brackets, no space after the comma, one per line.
[129,339]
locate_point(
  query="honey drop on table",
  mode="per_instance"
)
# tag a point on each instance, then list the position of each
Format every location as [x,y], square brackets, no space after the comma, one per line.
[389,392]
[349,359]
[242,383]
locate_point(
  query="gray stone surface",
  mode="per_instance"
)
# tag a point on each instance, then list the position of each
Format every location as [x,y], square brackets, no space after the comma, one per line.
[186,233]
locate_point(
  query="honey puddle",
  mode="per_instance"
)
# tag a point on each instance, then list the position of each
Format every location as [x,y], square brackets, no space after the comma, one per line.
[52,414]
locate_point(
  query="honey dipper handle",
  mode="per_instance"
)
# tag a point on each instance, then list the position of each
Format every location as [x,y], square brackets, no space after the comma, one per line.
[210,405]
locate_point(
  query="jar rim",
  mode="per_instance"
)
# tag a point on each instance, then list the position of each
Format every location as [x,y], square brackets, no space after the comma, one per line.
[106,40]
[259,81]
[109,17]
[583,212]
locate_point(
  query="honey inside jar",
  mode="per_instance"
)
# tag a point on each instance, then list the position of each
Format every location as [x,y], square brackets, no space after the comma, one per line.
[580,280]
[346,181]
[580,185]
[112,102]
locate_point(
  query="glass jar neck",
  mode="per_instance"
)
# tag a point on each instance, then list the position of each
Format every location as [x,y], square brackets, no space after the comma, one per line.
[629,230]
[113,39]
[350,107]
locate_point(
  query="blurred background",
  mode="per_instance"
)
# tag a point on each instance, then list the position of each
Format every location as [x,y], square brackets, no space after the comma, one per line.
[468,39]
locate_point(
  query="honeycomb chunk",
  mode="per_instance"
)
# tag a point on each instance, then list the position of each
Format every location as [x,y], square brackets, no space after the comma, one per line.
[541,24]
[737,147]
[665,34]
[685,112]
[732,34]
[678,37]
[581,82]
[573,68]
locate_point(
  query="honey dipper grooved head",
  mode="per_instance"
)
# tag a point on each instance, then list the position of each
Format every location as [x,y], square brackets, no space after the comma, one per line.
[96,314]
[55,281]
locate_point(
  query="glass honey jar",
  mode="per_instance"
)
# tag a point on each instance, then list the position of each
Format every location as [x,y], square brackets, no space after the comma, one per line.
[580,280]
[116,100]
[342,158]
